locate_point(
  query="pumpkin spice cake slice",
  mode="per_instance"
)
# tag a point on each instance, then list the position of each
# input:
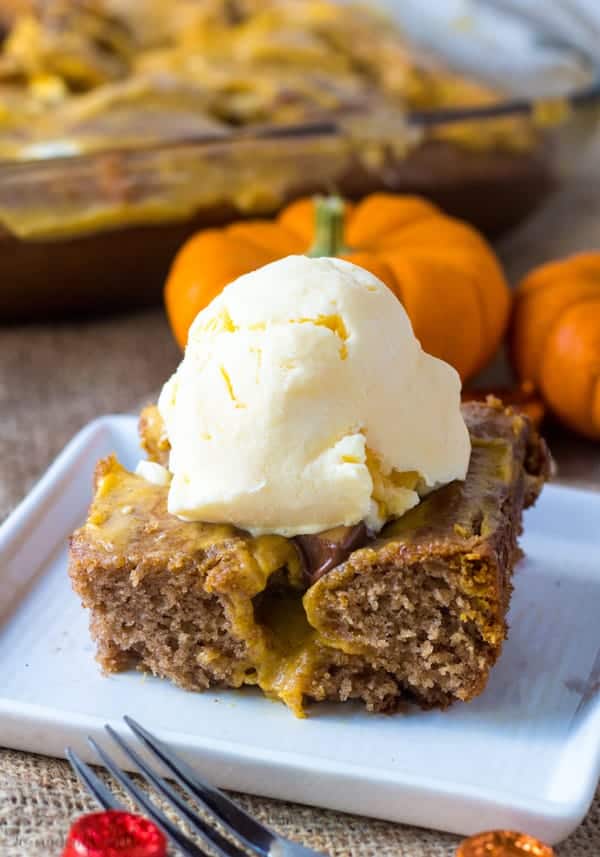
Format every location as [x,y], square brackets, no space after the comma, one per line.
[417,614]
[317,516]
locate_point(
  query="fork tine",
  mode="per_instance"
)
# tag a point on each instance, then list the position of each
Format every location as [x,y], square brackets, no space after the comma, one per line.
[253,834]
[223,846]
[93,783]
[179,839]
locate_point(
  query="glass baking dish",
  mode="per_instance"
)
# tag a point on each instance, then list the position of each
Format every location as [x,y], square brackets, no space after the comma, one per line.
[83,233]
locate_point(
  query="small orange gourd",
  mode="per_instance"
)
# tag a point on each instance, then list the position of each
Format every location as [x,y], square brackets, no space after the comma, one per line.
[555,339]
[441,269]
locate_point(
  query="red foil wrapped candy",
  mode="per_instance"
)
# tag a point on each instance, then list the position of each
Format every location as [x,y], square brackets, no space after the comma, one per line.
[114,834]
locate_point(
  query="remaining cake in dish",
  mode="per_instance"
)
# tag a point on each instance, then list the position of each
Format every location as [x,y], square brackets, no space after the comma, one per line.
[417,614]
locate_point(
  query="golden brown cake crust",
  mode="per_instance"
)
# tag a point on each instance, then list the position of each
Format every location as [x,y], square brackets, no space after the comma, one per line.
[153,437]
[417,615]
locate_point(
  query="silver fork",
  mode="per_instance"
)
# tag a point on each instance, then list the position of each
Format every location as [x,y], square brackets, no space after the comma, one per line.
[256,838]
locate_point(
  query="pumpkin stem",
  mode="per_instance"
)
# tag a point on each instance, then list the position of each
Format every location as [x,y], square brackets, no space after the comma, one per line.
[329,227]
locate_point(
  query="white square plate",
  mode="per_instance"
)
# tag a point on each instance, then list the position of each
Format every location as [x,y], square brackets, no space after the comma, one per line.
[525,755]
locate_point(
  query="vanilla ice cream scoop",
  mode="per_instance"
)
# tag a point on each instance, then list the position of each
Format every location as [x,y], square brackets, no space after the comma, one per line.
[304,402]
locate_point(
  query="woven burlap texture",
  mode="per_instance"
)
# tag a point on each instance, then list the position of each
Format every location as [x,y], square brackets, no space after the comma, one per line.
[54,379]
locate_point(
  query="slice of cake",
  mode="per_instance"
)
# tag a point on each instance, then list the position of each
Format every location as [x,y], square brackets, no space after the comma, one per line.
[417,614]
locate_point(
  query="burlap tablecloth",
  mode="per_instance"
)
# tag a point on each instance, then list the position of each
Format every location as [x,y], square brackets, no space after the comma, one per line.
[56,378]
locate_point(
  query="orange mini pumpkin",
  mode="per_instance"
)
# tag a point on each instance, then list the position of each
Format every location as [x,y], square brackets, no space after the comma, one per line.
[442,270]
[556,338]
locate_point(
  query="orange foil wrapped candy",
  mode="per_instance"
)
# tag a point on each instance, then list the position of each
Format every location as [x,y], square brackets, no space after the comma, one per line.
[503,843]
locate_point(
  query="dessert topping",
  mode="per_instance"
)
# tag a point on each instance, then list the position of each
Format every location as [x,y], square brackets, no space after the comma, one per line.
[153,472]
[304,402]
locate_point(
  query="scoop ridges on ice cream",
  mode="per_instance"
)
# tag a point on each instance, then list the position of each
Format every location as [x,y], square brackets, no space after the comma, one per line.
[305,402]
